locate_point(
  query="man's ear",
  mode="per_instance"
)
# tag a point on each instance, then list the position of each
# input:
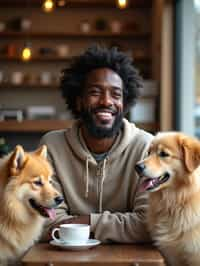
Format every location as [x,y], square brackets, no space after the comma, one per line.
[17,160]
[191,153]
[42,151]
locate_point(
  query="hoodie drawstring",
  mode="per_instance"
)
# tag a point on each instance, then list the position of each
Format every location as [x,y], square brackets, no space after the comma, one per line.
[87,178]
[101,185]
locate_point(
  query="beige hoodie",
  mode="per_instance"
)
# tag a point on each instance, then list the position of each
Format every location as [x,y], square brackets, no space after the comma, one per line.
[106,190]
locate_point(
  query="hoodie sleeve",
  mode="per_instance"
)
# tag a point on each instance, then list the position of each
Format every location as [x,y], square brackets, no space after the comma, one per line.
[129,227]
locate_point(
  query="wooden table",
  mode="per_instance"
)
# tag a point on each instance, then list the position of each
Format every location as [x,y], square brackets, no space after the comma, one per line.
[102,255]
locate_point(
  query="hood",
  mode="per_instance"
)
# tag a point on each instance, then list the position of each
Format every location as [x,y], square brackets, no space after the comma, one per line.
[77,143]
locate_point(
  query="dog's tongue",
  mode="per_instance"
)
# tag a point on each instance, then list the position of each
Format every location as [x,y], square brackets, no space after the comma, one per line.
[51,213]
[148,183]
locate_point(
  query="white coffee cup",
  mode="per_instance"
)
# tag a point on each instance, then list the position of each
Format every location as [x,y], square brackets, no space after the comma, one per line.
[72,233]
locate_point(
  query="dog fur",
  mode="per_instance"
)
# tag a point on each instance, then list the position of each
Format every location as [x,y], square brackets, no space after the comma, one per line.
[26,198]
[171,173]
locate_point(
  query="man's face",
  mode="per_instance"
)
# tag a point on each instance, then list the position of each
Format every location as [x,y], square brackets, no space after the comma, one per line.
[102,103]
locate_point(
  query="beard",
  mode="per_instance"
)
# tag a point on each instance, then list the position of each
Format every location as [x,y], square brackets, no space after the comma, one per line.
[101,131]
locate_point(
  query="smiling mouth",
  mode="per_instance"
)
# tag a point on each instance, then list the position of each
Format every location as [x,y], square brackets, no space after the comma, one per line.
[42,210]
[104,115]
[149,184]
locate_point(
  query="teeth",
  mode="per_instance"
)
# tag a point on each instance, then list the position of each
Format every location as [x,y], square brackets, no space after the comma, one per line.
[104,114]
[161,177]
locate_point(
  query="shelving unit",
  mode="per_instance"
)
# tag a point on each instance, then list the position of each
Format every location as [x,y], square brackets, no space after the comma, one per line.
[47,125]
[28,86]
[50,59]
[33,125]
[66,35]
[140,37]
[78,3]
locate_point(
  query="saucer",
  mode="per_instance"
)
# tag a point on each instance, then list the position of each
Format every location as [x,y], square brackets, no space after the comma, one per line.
[76,246]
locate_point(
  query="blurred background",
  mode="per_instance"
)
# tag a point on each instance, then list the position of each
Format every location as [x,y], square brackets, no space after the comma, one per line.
[38,38]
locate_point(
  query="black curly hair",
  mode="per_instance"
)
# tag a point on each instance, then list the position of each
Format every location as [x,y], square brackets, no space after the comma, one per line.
[73,77]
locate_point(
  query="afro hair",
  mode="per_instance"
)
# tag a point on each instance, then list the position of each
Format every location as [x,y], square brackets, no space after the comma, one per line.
[73,78]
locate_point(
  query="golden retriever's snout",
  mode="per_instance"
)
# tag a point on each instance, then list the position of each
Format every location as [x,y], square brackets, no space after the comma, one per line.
[139,167]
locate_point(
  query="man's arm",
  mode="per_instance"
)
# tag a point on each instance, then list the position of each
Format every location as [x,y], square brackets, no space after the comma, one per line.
[129,227]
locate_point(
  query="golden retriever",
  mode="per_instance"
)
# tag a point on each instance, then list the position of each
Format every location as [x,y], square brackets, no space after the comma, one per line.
[26,197]
[171,173]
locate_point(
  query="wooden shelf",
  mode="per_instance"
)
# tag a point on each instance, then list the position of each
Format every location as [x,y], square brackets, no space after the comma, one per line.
[33,125]
[51,87]
[28,86]
[150,127]
[65,35]
[46,58]
[76,3]
[48,125]
[52,59]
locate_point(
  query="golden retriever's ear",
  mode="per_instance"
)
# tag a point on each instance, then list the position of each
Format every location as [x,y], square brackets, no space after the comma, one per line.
[42,151]
[191,153]
[17,160]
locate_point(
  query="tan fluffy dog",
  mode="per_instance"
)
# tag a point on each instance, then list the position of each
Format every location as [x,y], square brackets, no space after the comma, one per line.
[171,173]
[26,197]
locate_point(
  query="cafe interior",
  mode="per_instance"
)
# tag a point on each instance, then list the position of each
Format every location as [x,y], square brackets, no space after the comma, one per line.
[40,37]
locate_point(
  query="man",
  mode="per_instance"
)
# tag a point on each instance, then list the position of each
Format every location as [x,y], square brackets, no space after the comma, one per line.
[94,160]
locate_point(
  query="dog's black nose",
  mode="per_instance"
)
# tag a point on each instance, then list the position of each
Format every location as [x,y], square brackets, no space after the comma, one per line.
[139,168]
[58,200]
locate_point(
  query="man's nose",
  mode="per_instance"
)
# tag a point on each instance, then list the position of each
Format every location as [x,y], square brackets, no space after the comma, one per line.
[106,99]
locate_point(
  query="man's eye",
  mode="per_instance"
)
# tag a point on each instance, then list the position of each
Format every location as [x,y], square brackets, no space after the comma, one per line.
[94,91]
[163,154]
[38,183]
[117,95]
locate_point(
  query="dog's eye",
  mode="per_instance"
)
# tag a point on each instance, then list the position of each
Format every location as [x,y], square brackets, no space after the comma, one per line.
[163,154]
[149,153]
[38,183]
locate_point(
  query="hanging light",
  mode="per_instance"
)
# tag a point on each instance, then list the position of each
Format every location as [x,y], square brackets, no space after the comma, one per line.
[26,52]
[48,5]
[122,4]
